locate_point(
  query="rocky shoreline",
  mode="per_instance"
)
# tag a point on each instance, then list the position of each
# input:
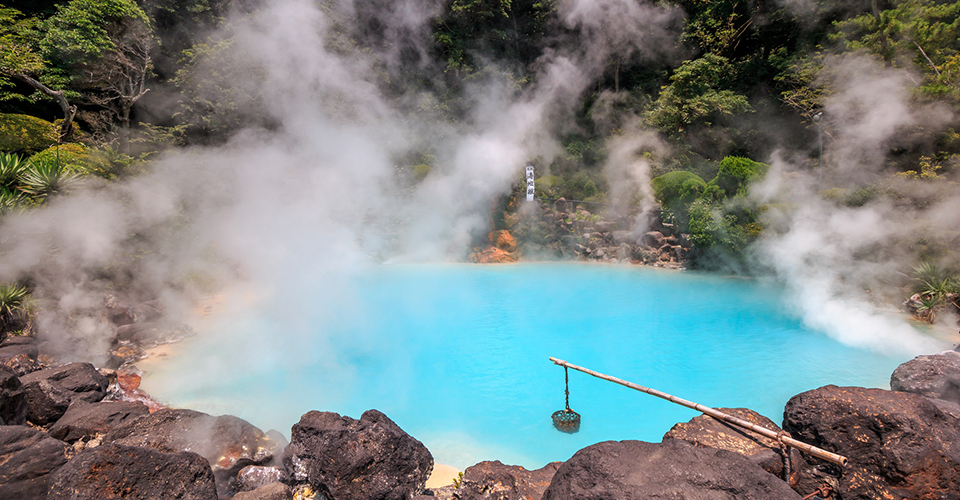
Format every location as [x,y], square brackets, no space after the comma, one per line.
[84,432]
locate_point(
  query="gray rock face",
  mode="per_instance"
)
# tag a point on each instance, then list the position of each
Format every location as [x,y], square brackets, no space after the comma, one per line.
[84,420]
[113,471]
[709,432]
[496,481]
[272,491]
[253,477]
[654,239]
[27,459]
[674,469]
[936,376]
[13,401]
[900,445]
[371,458]
[227,442]
[50,391]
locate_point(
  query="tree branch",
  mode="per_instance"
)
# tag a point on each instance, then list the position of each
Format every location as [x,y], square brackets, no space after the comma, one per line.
[66,127]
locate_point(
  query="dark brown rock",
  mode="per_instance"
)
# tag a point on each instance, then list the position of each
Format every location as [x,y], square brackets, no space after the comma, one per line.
[936,376]
[653,239]
[709,432]
[21,364]
[496,481]
[900,445]
[50,391]
[227,442]
[370,458]
[674,469]
[27,459]
[13,401]
[113,471]
[85,420]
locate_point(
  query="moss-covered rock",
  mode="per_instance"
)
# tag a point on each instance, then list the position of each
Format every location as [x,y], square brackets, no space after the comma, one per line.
[25,133]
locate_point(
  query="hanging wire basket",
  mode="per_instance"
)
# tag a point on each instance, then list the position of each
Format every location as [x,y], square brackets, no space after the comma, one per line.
[566,421]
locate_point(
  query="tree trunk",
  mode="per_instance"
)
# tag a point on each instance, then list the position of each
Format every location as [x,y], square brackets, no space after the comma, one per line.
[66,127]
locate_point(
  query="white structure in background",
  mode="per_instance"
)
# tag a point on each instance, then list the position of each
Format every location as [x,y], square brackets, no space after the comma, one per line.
[529,183]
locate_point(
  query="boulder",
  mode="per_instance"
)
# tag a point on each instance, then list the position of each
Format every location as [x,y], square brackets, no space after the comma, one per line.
[228,443]
[114,471]
[19,355]
[27,459]
[121,312]
[370,458]
[21,364]
[13,401]
[496,481]
[675,469]
[936,376]
[272,491]
[708,432]
[50,391]
[85,420]
[153,333]
[621,237]
[653,239]
[503,240]
[900,445]
[253,477]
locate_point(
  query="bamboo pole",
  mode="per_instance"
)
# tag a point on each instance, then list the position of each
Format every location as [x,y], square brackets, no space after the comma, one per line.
[781,437]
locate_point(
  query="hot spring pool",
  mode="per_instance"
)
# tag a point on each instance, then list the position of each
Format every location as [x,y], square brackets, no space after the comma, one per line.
[457,355]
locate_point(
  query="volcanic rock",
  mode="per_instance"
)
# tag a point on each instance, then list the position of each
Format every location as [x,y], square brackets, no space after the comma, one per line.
[19,354]
[50,391]
[153,333]
[272,491]
[936,376]
[496,481]
[227,442]
[13,401]
[120,312]
[85,420]
[27,459]
[900,445]
[708,432]
[370,458]
[114,471]
[253,477]
[503,240]
[652,239]
[635,470]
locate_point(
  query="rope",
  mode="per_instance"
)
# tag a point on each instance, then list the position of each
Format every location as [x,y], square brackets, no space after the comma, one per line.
[566,387]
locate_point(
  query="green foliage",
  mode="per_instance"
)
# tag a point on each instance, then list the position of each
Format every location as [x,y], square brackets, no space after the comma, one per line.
[14,305]
[12,168]
[46,178]
[83,31]
[698,92]
[17,57]
[934,284]
[675,190]
[25,133]
[737,172]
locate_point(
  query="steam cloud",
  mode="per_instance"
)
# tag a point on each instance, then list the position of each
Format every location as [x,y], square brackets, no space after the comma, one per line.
[316,197]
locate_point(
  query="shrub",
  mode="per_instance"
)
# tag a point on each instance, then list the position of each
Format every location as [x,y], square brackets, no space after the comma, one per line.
[677,187]
[25,133]
[736,172]
[14,306]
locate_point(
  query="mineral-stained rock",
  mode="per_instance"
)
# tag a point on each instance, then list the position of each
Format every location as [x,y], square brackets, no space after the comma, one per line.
[227,442]
[27,458]
[153,333]
[675,469]
[652,239]
[370,458]
[900,445]
[503,240]
[84,420]
[936,376]
[709,432]
[50,391]
[272,491]
[21,364]
[13,401]
[253,477]
[19,355]
[128,472]
[496,481]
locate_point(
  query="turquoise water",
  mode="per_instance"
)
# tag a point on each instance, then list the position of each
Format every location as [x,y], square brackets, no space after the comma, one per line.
[457,355]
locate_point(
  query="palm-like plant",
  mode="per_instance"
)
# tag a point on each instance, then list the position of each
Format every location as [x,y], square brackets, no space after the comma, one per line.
[47,178]
[934,284]
[12,168]
[14,306]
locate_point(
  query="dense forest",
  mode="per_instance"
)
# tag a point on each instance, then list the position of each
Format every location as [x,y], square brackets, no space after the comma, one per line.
[760,127]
